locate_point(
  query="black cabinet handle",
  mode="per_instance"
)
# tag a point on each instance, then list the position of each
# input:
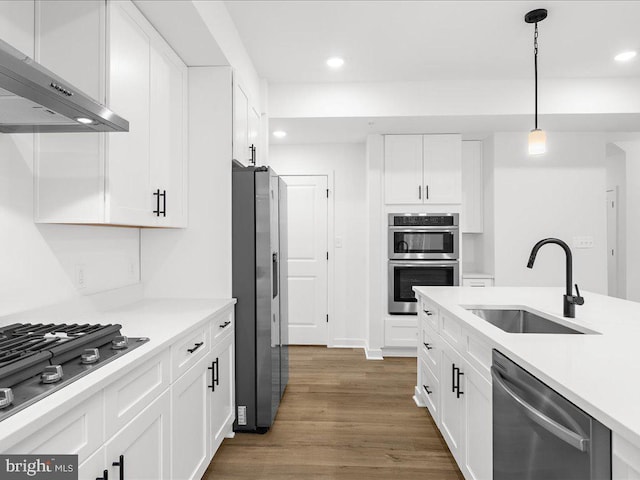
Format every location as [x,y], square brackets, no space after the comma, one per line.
[453,377]
[428,346]
[157,195]
[157,211]
[426,389]
[252,149]
[121,465]
[426,189]
[428,313]
[419,192]
[459,392]
[105,475]
[197,346]
[225,324]
[215,374]
[164,203]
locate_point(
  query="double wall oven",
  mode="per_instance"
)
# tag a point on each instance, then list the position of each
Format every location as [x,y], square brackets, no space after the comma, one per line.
[424,249]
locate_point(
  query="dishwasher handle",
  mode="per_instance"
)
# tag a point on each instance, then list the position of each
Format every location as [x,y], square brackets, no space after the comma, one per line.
[576,440]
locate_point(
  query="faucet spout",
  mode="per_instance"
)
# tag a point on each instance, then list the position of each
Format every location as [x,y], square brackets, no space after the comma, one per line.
[570,301]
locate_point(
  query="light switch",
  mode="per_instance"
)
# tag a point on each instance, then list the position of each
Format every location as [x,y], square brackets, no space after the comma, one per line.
[583,242]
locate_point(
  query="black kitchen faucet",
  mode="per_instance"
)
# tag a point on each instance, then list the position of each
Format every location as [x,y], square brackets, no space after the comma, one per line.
[569,300]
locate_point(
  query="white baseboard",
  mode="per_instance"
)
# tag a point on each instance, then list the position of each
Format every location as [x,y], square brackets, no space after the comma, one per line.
[373,353]
[348,343]
[417,398]
[399,351]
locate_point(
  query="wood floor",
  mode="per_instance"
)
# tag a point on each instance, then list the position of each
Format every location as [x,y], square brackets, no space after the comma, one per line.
[342,417]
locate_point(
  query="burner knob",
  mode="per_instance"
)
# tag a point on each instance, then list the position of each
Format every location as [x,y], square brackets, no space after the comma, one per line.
[6,397]
[51,374]
[119,342]
[90,355]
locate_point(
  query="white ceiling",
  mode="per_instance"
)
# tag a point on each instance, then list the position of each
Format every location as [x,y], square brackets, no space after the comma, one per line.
[381,41]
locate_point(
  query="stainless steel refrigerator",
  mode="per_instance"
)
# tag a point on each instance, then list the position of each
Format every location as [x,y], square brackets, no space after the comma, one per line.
[259,219]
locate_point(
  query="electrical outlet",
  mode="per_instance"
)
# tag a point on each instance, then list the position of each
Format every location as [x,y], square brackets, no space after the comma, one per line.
[80,277]
[583,242]
[242,415]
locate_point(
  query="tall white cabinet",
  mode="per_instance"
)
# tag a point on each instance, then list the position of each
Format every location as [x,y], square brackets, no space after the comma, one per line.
[422,169]
[135,178]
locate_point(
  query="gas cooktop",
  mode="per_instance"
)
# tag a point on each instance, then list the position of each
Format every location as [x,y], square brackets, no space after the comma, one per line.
[38,359]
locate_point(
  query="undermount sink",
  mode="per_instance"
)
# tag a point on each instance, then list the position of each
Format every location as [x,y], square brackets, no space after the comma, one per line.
[519,320]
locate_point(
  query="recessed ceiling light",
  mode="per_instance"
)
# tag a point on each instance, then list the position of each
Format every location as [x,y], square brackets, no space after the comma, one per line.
[335,62]
[626,56]
[86,121]
[279,134]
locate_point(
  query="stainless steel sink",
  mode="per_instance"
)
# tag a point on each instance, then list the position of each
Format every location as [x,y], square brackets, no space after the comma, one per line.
[521,321]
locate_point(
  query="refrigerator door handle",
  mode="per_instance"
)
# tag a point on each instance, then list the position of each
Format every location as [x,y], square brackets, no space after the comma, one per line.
[274,270]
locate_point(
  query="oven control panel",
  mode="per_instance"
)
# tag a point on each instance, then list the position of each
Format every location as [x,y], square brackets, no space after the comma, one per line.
[423,219]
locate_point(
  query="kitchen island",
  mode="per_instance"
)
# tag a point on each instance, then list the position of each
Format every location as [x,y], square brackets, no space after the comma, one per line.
[598,370]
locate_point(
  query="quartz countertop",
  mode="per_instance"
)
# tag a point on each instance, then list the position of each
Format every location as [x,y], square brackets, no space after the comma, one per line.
[161,320]
[598,372]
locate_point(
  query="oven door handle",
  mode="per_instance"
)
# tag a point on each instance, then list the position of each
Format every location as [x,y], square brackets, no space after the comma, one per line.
[576,440]
[433,229]
[423,263]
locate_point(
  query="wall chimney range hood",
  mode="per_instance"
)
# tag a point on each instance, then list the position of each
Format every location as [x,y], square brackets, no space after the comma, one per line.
[33,99]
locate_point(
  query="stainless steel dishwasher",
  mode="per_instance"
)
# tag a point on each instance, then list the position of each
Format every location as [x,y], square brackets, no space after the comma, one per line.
[539,435]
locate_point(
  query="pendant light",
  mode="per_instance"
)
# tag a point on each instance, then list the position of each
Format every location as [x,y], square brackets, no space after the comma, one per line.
[537,137]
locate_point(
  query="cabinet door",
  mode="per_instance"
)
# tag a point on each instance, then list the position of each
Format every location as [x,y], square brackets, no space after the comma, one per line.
[442,168]
[167,159]
[144,443]
[94,466]
[128,184]
[452,405]
[403,169]
[471,217]
[190,422]
[240,125]
[69,167]
[222,396]
[254,134]
[478,452]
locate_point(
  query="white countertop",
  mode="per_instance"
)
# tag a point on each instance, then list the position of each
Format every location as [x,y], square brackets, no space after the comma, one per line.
[599,373]
[161,320]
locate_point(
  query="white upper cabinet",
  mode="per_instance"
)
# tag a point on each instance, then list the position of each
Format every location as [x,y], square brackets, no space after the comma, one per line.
[135,178]
[422,169]
[246,126]
[471,219]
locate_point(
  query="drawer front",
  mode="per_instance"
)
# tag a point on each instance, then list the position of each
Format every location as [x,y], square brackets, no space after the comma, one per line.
[430,312]
[401,332]
[450,329]
[477,282]
[188,350]
[128,396]
[430,390]
[77,432]
[429,345]
[222,324]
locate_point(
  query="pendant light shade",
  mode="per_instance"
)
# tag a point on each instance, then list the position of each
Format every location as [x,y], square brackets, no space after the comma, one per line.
[537,142]
[537,138]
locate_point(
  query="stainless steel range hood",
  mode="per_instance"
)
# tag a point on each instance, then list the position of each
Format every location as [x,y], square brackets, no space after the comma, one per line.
[34,99]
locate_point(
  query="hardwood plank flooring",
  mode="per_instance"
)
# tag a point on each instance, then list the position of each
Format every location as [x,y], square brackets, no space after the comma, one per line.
[342,417]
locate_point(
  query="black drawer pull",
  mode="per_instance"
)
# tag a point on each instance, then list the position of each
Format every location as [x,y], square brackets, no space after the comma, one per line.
[426,389]
[197,346]
[121,465]
[428,346]
[428,313]
[105,475]
[459,392]
[215,374]
[225,324]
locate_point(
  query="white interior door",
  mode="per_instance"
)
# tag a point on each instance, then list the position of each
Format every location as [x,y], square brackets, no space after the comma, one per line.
[612,242]
[307,216]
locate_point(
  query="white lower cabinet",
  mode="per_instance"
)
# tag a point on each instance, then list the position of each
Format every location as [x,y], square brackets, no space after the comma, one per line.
[94,467]
[452,400]
[143,447]
[453,380]
[222,393]
[190,417]
[477,458]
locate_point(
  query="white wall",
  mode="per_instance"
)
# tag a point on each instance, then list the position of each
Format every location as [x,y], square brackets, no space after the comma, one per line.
[196,262]
[616,167]
[632,154]
[561,194]
[346,164]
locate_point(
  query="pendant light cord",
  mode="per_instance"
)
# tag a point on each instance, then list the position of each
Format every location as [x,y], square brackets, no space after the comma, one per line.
[535,67]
